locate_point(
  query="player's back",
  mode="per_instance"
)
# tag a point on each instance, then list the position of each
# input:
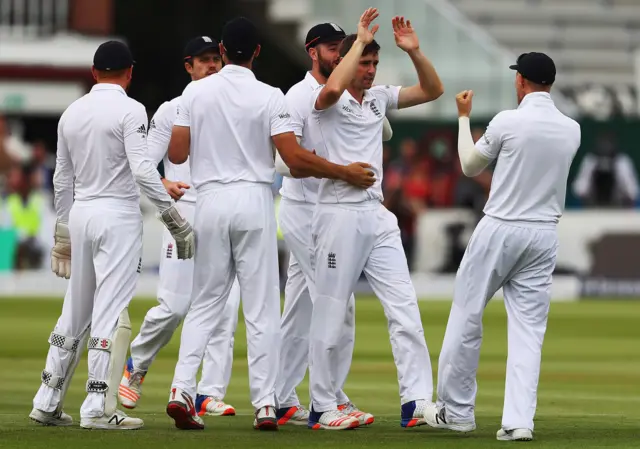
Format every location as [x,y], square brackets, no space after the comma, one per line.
[538,144]
[231,127]
[93,130]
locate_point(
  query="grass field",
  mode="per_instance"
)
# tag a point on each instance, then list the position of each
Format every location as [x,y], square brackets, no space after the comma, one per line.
[589,388]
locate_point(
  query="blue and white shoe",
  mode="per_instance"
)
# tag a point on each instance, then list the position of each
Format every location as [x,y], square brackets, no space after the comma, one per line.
[412,414]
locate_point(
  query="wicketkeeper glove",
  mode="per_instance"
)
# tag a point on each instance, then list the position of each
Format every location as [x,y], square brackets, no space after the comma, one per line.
[61,252]
[181,231]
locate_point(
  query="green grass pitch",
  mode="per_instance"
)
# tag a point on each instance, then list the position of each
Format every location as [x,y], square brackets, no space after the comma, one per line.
[589,392]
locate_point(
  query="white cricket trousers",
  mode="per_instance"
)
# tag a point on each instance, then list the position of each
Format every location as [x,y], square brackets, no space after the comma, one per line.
[174,298]
[106,246]
[520,258]
[349,239]
[296,219]
[235,229]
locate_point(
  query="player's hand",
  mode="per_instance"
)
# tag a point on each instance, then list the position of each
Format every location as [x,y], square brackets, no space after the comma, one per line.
[464,100]
[181,231]
[358,175]
[366,35]
[175,189]
[61,252]
[404,34]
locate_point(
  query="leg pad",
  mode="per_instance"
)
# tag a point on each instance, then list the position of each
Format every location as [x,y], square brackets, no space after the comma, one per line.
[97,386]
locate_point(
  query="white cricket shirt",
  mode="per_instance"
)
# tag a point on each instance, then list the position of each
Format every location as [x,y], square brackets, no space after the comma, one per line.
[158,142]
[352,132]
[300,100]
[232,117]
[534,146]
[102,152]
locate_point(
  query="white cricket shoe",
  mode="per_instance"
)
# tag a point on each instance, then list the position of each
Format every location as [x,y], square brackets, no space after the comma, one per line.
[295,415]
[130,388]
[209,405]
[332,420]
[55,418]
[266,419]
[183,411]
[437,418]
[363,418]
[118,421]
[514,435]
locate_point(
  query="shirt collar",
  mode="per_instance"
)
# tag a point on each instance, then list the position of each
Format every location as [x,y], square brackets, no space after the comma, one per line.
[237,70]
[536,98]
[368,97]
[108,86]
[309,78]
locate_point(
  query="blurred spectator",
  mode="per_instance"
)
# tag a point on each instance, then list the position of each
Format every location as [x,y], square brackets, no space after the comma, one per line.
[13,150]
[44,163]
[441,171]
[25,209]
[408,153]
[607,177]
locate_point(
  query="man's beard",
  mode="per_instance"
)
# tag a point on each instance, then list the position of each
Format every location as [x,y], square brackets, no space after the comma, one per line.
[326,68]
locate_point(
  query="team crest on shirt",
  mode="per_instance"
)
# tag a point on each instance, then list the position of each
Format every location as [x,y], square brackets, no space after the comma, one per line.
[169,250]
[142,130]
[375,110]
[331,260]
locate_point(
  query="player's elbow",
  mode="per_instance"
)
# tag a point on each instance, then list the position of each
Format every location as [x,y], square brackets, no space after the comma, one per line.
[434,92]
[329,96]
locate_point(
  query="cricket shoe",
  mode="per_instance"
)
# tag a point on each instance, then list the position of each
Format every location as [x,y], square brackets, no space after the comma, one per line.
[412,414]
[363,418]
[296,416]
[209,405]
[183,411]
[437,418]
[55,418]
[118,421]
[130,388]
[332,420]
[514,435]
[266,419]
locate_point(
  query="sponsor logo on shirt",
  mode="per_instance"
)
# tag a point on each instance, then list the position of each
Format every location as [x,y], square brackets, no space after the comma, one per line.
[152,125]
[284,116]
[142,130]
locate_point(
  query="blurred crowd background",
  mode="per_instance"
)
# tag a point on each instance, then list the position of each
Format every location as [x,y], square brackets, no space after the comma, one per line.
[46,47]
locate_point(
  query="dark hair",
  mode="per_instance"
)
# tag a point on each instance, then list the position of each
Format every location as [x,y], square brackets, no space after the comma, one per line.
[348,42]
[111,74]
[240,59]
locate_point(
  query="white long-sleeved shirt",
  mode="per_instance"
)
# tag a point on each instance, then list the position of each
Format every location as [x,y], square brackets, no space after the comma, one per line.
[158,142]
[534,146]
[102,152]
[232,117]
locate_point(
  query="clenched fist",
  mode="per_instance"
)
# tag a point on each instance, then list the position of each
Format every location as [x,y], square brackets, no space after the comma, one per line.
[463,101]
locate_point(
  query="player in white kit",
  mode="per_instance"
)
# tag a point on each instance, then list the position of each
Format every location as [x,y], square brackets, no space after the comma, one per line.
[101,156]
[295,216]
[201,58]
[353,231]
[227,125]
[513,247]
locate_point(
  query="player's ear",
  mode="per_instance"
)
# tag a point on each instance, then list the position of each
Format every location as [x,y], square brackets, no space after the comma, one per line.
[313,54]
[257,52]
[94,73]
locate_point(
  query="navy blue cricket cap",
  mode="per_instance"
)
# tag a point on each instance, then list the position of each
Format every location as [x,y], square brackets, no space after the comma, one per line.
[200,45]
[113,55]
[240,37]
[322,34]
[536,67]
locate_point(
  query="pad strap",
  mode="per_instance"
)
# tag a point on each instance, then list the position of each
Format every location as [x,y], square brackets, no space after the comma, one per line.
[97,386]
[61,341]
[102,344]
[51,380]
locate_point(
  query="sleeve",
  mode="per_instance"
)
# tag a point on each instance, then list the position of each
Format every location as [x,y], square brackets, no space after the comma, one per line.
[388,95]
[279,116]
[490,143]
[160,132]
[144,170]
[183,113]
[63,178]
[296,109]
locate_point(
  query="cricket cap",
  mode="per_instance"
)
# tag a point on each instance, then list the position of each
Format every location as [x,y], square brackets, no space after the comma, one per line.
[200,45]
[240,38]
[113,55]
[323,33]
[536,67]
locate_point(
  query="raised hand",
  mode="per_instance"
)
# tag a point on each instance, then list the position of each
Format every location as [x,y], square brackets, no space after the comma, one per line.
[464,103]
[404,34]
[366,35]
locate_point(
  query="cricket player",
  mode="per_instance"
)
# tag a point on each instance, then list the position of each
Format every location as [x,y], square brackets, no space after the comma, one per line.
[296,213]
[226,125]
[513,247]
[101,156]
[201,59]
[353,231]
